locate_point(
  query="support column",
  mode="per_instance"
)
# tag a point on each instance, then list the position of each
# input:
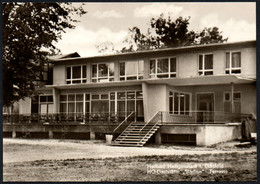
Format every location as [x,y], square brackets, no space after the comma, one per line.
[13,134]
[232,98]
[92,135]
[50,134]
[145,100]
[56,100]
[158,137]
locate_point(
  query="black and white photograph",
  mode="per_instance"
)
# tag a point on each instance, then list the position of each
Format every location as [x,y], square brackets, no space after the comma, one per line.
[129,91]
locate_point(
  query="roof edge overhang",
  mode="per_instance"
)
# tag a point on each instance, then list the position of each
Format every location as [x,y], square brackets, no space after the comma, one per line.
[185,81]
[250,43]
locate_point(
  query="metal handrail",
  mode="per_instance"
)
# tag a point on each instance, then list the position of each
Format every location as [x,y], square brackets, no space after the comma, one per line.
[123,121]
[62,117]
[149,120]
[203,117]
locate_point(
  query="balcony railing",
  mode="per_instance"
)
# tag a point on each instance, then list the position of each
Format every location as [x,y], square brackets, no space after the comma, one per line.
[196,117]
[65,118]
[200,117]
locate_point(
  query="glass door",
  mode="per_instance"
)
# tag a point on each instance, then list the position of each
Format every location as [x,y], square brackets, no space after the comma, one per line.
[205,106]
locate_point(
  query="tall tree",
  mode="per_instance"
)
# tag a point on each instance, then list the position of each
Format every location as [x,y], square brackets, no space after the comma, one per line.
[29,33]
[164,32]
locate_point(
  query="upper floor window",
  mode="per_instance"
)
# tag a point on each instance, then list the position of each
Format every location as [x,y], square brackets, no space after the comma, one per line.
[131,70]
[205,64]
[163,68]
[233,63]
[76,74]
[103,72]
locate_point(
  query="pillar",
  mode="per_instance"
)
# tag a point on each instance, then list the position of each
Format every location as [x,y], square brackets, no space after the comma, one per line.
[145,100]
[13,134]
[56,100]
[158,137]
[92,135]
[50,134]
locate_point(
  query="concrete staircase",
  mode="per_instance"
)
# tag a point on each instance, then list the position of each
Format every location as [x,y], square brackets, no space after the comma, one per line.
[136,134]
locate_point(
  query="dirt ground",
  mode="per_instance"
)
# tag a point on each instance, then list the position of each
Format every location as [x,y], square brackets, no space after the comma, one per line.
[52,160]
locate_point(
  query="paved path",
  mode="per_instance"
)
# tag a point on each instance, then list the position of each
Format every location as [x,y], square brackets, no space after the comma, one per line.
[19,150]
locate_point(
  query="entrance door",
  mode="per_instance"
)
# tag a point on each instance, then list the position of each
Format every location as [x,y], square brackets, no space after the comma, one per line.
[205,106]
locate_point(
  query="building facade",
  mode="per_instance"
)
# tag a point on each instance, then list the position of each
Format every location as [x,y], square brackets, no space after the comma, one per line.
[213,78]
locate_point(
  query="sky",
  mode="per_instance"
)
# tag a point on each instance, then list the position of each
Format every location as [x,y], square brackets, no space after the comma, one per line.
[109,22]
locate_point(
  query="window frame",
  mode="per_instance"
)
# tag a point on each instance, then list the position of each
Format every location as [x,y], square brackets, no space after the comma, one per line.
[178,110]
[230,69]
[75,101]
[169,73]
[203,70]
[137,75]
[98,78]
[47,103]
[91,100]
[229,100]
[82,79]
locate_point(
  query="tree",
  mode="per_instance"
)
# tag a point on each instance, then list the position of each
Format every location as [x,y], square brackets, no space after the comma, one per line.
[164,33]
[106,48]
[29,32]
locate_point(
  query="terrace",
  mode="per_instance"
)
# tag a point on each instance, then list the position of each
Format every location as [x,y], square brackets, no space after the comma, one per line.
[191,117]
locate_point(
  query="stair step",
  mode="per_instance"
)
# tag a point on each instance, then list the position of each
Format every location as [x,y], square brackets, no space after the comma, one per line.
[127,142]
[127,145]
[134,136]
[141,127]
[144,130]
[129,139]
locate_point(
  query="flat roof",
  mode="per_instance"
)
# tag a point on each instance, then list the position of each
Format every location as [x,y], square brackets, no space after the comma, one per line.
[250,43]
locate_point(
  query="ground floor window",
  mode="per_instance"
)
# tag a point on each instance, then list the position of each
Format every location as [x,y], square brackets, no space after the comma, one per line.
[71,103]
[179,103]
[42,104]
[236,99]
[120,103]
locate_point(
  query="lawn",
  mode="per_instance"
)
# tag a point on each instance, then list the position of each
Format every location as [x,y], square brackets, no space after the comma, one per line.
[233,166]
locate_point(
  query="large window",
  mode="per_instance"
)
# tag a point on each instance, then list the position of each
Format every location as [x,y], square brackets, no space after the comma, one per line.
[129,101]
[179,103]
[236,99]
[163,68]
[103,72]
[131,70]
[76,74]
[71,104]
[233,62]
[205,64]
[120,103]
[100,103]
[42,104]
